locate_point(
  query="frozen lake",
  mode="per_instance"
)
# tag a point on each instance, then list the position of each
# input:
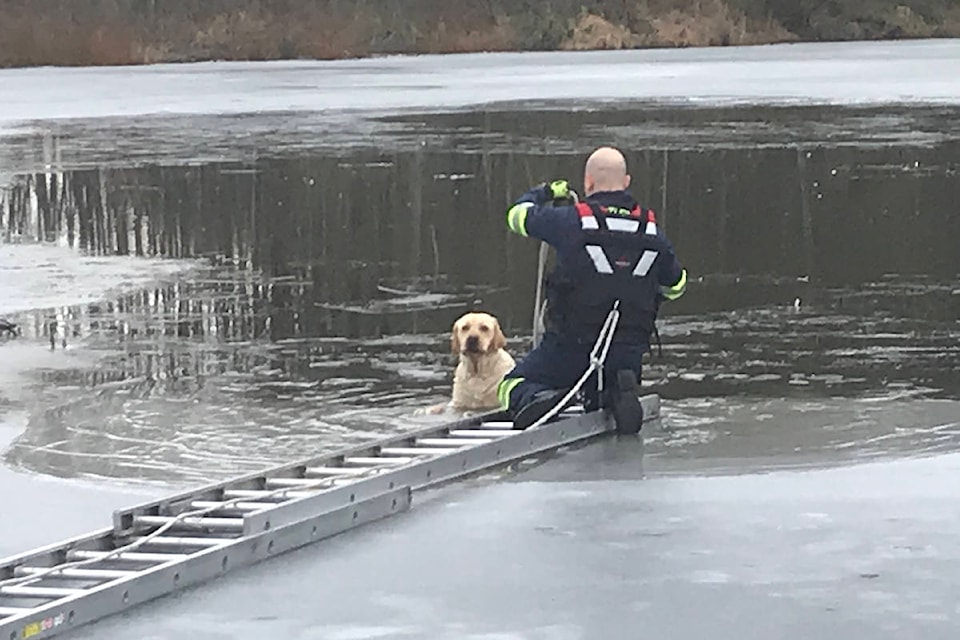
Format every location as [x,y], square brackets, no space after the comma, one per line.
[199,298]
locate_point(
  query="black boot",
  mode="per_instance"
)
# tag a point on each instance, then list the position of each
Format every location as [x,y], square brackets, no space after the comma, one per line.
[541,403]
[624,403]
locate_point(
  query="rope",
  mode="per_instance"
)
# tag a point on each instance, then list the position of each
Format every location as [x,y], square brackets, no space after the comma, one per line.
[598,356]
[538,302]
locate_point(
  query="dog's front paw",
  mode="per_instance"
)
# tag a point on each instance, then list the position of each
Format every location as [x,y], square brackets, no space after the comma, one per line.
[434,410]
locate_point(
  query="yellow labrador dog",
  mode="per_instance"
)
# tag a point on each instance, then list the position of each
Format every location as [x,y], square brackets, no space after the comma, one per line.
[479,342]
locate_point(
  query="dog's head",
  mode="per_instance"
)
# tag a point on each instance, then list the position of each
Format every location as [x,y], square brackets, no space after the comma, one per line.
[476,333]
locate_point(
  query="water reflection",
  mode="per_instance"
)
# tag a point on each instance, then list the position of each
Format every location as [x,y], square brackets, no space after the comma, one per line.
[329,281]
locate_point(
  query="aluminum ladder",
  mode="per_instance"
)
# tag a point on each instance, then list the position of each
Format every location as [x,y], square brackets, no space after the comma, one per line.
[159,547]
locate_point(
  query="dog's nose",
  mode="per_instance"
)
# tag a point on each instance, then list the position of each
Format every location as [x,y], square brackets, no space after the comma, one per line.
[473,343]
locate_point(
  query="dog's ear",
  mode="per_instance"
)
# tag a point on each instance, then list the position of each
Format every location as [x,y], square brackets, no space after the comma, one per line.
[454,340]
[499,340]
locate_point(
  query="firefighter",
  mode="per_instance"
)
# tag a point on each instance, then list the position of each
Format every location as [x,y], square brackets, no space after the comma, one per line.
[608,249]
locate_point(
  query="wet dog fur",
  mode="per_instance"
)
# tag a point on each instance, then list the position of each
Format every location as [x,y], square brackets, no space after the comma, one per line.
[477,339]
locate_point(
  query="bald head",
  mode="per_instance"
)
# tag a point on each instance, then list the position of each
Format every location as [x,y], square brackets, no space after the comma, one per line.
[606,170]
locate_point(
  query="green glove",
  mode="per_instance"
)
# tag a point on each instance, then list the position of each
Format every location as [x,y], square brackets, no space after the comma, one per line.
[559,189]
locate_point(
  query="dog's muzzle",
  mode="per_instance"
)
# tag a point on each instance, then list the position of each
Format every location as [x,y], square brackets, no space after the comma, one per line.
[473,344]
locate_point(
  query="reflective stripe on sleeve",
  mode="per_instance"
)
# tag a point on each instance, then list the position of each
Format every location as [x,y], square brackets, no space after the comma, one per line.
[677,290]
[504,388]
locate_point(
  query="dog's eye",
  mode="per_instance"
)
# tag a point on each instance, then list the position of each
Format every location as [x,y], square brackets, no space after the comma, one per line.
[484,328]
[465,327]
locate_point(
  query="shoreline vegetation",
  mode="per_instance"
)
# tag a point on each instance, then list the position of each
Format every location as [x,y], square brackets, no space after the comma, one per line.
[124,32]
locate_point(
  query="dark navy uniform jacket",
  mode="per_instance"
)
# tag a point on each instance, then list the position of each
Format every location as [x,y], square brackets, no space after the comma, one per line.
[608,248]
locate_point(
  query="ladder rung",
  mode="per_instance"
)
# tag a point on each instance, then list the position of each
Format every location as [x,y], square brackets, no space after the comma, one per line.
[240,506]
[484,433]
[340,471]
[412,451]
[453,443]
[40,592]
[370,461]
[192,522]
[328,483]
[172,541]
[497,424]
[294,482]
[82,574]
[254,493]
[12,611]
[130,556]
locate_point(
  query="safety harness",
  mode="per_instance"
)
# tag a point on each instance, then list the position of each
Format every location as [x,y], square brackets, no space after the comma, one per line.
[592,216]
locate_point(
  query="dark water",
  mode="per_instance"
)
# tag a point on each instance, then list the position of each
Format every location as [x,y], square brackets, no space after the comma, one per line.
[821,321]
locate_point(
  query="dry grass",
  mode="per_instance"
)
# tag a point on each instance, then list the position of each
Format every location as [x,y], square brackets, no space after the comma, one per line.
[951,23]
[593,32]
[713,22]
[28,40]
[910,24]
[460,39]
[699,23]
[56,40]
[264,36]
[240,35]
[450,28]
[329,37]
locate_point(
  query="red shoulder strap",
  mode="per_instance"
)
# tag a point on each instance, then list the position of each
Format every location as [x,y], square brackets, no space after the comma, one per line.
[584,210]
